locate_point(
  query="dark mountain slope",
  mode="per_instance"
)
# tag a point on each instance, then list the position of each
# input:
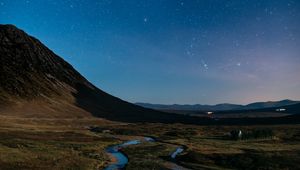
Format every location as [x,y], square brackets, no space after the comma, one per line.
[28,68]
[36,82]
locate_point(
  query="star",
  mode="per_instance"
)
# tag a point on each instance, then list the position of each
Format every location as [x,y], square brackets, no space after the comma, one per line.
[204,65]
[145,19]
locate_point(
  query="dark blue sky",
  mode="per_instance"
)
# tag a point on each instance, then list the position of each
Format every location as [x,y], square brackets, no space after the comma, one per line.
[173,51]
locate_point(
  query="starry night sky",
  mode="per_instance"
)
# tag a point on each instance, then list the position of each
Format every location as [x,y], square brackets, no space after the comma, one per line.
[172,51]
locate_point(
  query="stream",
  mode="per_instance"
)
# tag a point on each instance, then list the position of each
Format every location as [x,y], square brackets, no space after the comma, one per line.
[176,152]
[121,160]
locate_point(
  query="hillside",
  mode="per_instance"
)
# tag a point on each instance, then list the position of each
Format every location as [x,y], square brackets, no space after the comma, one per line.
[35,82]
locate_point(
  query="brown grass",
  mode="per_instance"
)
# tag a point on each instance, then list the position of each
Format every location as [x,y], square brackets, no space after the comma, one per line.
[49,143]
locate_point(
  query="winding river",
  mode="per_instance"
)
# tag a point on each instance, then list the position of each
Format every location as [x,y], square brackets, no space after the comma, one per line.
[120,160]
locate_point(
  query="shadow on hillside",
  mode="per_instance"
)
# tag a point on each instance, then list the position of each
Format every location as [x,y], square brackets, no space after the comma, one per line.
[101,104]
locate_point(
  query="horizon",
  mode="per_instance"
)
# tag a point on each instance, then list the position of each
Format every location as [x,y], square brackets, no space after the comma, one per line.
[189,52]
[219,103]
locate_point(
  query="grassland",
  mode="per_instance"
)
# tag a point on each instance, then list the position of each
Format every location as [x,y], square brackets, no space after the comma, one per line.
[209,147]
[70,144]
[51,144]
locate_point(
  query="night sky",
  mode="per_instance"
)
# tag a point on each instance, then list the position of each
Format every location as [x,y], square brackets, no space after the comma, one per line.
[169,51]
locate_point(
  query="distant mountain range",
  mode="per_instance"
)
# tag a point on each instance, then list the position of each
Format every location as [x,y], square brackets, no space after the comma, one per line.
[219,107]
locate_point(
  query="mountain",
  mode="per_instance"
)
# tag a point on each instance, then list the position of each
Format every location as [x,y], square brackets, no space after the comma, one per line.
[295,108]
[290,109]
[269,104]
[220,107]
[35,82]
[196,107]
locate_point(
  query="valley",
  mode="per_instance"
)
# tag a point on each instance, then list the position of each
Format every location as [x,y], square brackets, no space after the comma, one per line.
[82,143]
[53,118]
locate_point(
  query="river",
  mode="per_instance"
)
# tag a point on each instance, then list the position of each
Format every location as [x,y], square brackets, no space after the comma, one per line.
[120,160]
